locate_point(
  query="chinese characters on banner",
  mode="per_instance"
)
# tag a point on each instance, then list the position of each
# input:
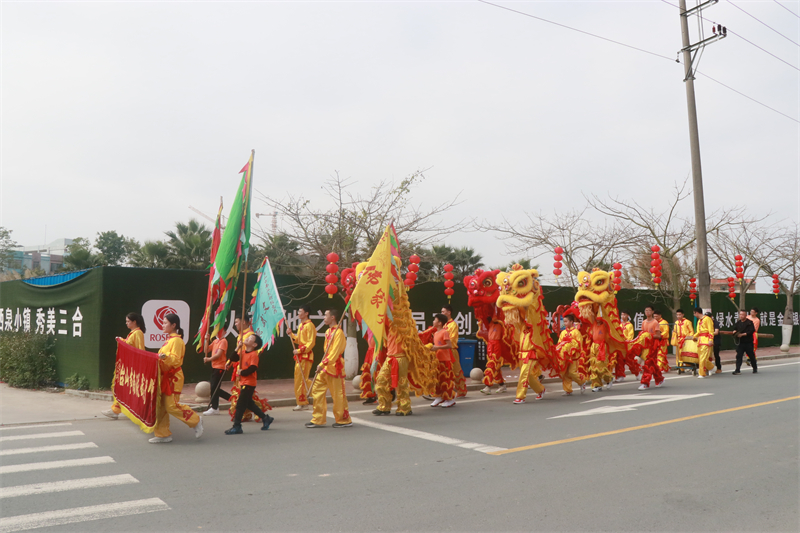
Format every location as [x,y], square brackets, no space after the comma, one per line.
[136,385]
[43,322]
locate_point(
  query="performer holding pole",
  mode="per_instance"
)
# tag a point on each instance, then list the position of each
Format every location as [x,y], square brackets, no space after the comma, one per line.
[219,363]
[304,339]
[330,376]
[135,338]
[248,380]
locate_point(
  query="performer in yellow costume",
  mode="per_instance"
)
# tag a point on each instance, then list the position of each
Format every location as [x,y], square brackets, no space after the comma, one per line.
[304,341]
[452,328]
[683,328]
[171,359]
[705,342]
[330,376]
[627,327]
[135,338]
[568,351]
[661,344]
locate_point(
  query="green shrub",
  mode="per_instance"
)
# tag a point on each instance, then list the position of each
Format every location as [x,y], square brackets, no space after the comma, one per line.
[78,382]
[27,360]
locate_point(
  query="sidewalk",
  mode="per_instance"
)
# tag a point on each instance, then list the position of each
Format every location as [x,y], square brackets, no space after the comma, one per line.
[21,406]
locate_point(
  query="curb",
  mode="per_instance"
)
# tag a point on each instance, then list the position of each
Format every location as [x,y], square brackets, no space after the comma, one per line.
[290,402]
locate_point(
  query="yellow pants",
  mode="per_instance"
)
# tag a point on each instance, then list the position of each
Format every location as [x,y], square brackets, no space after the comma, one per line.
[529,376]
[301,381]
[322,384]
[600,373]
[170,406]
[460,380]
[704,357]
[115,404]
[383,386]
[569,376]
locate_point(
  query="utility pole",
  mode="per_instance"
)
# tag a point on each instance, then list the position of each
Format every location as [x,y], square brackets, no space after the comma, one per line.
[690,56]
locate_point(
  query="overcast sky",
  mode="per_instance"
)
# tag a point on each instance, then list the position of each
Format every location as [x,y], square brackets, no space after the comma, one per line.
[119,115]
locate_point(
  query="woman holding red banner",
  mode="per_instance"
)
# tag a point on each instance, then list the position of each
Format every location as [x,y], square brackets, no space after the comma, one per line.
[135,338]
[171,359]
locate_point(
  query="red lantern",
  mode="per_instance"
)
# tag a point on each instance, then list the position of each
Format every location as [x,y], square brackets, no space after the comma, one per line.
[692,289]
[617,279]
[557,264]
[655,269]
[776,285]
[731,287]
[413,268]
[448,276]
[332,268]
[739,268]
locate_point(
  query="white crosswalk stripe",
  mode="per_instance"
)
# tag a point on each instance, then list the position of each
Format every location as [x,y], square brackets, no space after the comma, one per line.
[70,484]
[54,448]
[81,514]
[33,426]
[55,435]
[49,465]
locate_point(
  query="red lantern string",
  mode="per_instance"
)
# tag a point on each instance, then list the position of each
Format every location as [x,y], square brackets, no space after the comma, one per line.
[413,268]
[655,264]
[557,258]
[739,269]
[776,285]
[617,279]
[731,288]
[693,289]
[448,276]
[332,268]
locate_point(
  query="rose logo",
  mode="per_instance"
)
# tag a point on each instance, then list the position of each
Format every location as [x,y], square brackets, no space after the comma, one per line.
[158,317]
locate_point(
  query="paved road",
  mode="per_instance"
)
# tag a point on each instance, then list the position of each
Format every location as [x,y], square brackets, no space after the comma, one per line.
[719,454]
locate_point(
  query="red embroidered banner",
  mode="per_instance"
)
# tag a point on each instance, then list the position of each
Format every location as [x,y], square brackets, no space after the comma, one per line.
[137,385]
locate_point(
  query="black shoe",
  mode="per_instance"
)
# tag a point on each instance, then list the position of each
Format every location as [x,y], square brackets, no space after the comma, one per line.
[398,413]
[735,373]
[755,371]
[235,430]
[266,422]
[313,425]
[394,395]
[378,412]
[338,425]
[369,401]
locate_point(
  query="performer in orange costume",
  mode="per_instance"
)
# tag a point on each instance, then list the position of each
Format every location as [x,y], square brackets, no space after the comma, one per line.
[568,351]
[135,338]
[330,375]
[452,328]
[244,326]
[367,384]
[650,352]
[304,341]
[445,384]
[663,342]
[171,356]
[705,341]
[219,363]
[248,378]
[683,328]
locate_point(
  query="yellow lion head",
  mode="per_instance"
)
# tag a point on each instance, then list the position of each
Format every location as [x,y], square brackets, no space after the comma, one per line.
[594,288]
[518,288]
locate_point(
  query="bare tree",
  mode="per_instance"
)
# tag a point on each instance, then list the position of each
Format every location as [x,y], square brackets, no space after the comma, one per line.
[587,244]
[784,260]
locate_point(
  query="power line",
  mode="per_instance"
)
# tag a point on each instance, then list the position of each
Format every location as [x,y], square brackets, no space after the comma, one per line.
[640,50]
[577,30]
[787,9]
[764,23]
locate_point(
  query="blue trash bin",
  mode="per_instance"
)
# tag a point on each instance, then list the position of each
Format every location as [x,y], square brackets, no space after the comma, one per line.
[466,354]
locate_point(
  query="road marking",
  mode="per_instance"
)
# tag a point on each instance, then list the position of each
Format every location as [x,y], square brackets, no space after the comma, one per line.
[483,448]
[632,407]
[42,435]
[56,448]
[625,430]
[49,465]
[70,484]
[36,426]
[81,514]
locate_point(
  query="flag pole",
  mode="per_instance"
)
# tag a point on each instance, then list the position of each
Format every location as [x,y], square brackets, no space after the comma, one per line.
[250,187]
[207,317]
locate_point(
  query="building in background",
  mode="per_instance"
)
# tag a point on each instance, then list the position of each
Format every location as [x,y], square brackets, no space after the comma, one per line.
[48,258]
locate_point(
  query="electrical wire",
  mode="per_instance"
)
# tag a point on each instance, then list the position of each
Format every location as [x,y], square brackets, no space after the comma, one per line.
[787,9]
[641,50]
[764,23]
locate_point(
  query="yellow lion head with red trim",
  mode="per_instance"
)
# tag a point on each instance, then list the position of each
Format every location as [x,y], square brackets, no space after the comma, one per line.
[518,288]
[594,288]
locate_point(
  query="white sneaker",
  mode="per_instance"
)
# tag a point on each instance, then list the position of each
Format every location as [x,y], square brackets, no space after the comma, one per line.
[608,385]
[486,390]
[449,403]
[567,394]
[211,412]
[540,395]
[198,429]
[300,407]
[644,387]
[110,414]
[597,389]
[583,387]
[501,389]
[159,440]
[619,380]
[701,377]
[659,384]
[436,402]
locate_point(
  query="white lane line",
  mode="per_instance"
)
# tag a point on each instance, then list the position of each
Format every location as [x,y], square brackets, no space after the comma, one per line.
[81,514]
[23,426]
[428,436]
[49,465]
[70,484]
[55,448]
[42,435]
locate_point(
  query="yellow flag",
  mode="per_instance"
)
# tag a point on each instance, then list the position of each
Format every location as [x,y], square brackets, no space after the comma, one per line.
[372,300]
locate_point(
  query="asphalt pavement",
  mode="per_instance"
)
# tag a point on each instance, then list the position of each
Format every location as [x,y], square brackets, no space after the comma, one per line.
[716,454]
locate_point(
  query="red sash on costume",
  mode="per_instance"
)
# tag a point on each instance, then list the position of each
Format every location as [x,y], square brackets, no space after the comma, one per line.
[168,380]
[395,367]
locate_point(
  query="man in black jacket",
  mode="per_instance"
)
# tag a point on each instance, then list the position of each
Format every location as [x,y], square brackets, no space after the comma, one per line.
[743,332]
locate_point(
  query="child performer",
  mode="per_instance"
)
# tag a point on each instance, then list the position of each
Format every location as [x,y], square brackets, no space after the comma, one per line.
[650,369]
[135,338]
[663,342]
[219,363]
[568,350]
[248,366]
[171,359]
[445,385]
[330,375]
[304,340]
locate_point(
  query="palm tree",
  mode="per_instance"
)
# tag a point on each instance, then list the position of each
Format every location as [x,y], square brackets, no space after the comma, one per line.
[152,254]
[283,252]
[190,246]
[465,262]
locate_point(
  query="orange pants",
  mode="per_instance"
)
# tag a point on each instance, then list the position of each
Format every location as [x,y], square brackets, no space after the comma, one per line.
[322,384]
[170,405]
[301,381]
